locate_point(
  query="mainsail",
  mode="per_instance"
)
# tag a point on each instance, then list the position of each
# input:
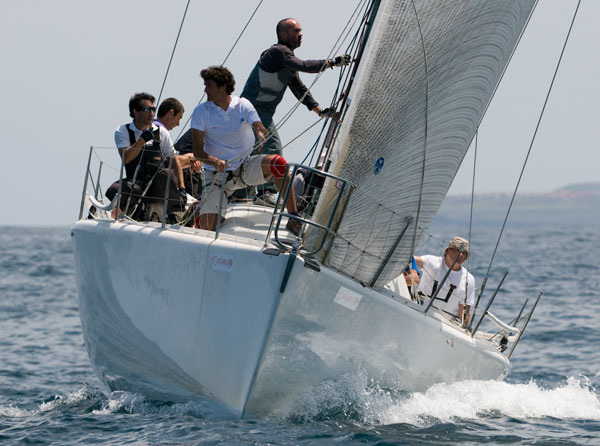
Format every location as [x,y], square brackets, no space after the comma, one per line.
[428,71]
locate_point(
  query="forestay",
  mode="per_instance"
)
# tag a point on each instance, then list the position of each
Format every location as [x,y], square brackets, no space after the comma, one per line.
[414,110]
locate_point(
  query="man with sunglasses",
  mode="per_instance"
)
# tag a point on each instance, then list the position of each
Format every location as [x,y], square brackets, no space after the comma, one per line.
[146,147]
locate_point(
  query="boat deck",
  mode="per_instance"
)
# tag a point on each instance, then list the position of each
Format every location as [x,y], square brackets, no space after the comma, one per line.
[251,222]
[244,223]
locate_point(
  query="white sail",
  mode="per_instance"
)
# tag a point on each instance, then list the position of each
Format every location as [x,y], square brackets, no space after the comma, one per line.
[422,88]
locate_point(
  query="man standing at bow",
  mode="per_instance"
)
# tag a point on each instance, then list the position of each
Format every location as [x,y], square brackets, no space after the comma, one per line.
[278,68]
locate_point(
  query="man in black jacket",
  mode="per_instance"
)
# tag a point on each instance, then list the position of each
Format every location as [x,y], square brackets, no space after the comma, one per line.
[278,68]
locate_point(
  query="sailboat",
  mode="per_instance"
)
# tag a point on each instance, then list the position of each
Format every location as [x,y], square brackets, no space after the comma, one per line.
[254,317]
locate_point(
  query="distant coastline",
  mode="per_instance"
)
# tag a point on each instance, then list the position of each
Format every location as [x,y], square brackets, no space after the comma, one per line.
[572,204]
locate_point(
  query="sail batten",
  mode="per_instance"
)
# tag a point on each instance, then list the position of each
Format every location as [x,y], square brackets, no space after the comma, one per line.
[421,128]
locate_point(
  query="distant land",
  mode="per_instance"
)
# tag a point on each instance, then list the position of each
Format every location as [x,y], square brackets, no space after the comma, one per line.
[573,204]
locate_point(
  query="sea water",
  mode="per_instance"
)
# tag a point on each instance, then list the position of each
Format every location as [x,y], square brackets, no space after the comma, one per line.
[49,393]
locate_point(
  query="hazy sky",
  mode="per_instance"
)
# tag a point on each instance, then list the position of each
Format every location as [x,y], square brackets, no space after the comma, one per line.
[70,66]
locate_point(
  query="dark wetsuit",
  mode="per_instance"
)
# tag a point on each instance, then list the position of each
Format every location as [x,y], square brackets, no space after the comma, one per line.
[278,68]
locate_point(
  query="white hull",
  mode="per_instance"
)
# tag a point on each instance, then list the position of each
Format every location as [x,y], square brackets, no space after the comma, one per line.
[175,314]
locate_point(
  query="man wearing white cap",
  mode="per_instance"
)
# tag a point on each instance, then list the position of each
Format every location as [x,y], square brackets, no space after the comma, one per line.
[459,284]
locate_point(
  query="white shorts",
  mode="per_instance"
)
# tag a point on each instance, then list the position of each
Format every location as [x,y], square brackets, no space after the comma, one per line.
[249,173]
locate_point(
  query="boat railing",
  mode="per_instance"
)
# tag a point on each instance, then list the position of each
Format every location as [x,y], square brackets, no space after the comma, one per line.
[310,198]
[92,198]
[506,332]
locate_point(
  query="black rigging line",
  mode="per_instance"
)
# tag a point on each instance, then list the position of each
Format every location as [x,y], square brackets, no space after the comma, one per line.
[173,52]
[471,210]
[342,83]
[414,240]
[492,96]
[183,127]
[510,57]
[242,32]
[341,38]
[532,141]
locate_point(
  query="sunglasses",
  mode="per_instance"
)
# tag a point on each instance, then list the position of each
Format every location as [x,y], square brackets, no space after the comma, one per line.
[147,109]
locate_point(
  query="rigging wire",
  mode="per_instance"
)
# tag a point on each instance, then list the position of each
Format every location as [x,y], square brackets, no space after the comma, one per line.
[337,45]
[483,115]
[512,53]
[242,32]
[302,133]
[414,239]
[471,210]
[224,60]
[530,147]
[476,132]
[158,102]
[173,52]
[353,49]
[473,186]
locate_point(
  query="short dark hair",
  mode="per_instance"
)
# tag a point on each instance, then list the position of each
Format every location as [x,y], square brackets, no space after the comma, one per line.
[169,104]
[221,76]
[134,101]
[282,26]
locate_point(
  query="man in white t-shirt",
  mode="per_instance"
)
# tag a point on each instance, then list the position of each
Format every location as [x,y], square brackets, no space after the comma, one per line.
[223,137]
[460,283]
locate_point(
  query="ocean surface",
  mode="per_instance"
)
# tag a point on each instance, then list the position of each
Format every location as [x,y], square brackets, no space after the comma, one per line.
[49,393]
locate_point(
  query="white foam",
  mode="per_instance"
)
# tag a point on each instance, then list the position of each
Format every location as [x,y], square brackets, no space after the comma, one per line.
[126,402]
[474,399]
[14,412]
[59,401]
[354,395]
[87,397]
[121,402]
[70,399]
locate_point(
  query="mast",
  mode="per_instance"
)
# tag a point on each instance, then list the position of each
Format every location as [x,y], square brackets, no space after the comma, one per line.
[367,26]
